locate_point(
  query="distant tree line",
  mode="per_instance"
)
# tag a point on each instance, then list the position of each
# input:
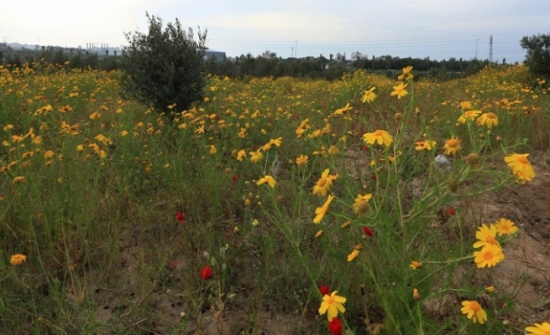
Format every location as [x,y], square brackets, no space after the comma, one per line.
[269,65]
[265,65]
[70,57]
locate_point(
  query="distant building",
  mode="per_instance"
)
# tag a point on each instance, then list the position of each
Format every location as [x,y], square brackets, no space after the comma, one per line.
[217,56]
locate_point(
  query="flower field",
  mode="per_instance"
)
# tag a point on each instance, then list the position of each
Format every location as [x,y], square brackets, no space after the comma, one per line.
[368,205]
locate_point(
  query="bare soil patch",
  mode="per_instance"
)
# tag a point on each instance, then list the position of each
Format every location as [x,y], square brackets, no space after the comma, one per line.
[525,273]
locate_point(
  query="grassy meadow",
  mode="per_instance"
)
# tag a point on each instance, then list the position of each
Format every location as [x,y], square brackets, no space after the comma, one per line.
[275,206]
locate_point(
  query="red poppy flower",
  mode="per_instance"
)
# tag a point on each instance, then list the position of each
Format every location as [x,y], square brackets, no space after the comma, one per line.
[451,211]
[324,289]
[335,326]
[234,178]
[206,272]
[175,265]
[180,217]
[368,231]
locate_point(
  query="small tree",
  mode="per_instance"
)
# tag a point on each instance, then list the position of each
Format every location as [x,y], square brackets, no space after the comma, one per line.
[165,66]
[538,54]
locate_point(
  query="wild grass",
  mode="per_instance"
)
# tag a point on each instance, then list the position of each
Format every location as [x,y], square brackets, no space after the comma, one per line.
[91,185]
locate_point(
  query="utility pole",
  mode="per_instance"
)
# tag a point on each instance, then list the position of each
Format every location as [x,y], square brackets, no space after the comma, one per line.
[296,49]
[491,49]
[291,51]
[477,40]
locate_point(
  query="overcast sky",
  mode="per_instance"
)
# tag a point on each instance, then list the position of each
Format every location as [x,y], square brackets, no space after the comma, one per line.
[438,29]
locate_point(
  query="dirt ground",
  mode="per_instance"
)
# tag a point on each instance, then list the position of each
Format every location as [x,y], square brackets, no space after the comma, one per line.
[525,272]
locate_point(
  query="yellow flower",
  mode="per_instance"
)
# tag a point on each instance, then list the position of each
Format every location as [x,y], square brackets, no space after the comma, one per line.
[321,211]
[466,105]
[415,265]
[342,110]
[406,73]
[323,184]
[332,304]
[48,154]
[490,289]
[539,329]
[17,259]
[276,142]
[301,160]
[486,236]
[469,115]
[319,233]
[379,136]
[399,90]
[505,227]
[314,134]
[474,311]
[213,150]
[94,147]
[487,119]
[267,179]
[255,156]
[241,154]
[18,180]
[95,116]
[266,146]
[80,148]
[303,127]
[520,166]
[104,140]
[17,138]
[37,140]
[489,256]
[369,96]
[361,205]
[333,150]
[425,145]
[416,295]
[451,146]
[353,255]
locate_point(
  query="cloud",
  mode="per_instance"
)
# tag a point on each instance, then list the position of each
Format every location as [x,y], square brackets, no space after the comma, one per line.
[319,26]
[55,22]
[281,26]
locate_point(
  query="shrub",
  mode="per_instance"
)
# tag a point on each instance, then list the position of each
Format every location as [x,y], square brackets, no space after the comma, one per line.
[164,67]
